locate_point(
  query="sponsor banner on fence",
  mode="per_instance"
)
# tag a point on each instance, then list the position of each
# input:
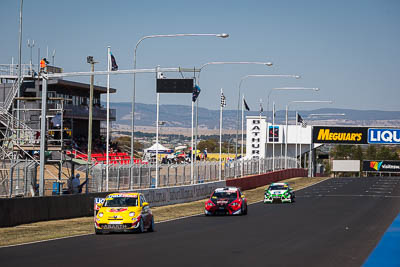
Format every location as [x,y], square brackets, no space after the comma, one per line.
[381,166]
[340,135]
[383,136]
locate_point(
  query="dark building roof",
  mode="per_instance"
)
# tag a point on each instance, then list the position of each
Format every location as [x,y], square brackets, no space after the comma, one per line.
[84,86]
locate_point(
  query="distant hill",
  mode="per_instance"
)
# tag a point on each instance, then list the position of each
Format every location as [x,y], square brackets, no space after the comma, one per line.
[180,116]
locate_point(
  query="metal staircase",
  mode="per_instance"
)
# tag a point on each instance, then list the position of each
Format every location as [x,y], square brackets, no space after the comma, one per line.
[11,95]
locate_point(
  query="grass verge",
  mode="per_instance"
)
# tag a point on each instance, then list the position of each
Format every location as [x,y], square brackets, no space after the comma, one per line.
[80,226]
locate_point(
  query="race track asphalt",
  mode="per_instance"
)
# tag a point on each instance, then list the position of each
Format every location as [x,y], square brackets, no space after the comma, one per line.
[334,223]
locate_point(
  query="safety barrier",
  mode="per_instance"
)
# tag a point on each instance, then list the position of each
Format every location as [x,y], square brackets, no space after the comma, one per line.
[15,211]
[250,182]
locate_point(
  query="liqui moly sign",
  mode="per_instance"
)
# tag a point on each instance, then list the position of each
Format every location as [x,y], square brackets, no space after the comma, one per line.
[383,136]
[256,137]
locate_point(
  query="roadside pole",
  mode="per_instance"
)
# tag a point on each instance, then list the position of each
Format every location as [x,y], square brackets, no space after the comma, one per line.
[43,137]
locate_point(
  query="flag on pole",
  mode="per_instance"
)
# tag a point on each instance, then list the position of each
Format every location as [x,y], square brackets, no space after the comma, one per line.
[261,108]
[300,120]
[223,100]
[196,93]
[245,105]
[273,111]
[114,65]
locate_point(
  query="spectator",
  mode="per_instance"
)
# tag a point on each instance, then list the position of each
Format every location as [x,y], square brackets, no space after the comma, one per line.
[75,184]
[69,184]
[43,64]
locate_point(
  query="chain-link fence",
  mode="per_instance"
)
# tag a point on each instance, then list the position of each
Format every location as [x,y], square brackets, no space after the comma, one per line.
[18,179]
[126,177]
[22,179]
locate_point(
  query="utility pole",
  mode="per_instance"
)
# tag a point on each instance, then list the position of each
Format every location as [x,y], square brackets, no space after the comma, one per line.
[91,62]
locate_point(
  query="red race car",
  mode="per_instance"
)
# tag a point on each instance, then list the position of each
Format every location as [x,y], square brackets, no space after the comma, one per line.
[226,200]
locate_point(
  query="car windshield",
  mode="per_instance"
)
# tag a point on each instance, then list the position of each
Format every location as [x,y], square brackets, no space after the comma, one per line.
[225,194]
[278,187]
[121,202]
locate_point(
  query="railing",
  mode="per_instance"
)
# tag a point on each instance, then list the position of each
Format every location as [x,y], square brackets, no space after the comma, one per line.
[12,69]
[10,96]
[137,176]
[26,134]
[128,177]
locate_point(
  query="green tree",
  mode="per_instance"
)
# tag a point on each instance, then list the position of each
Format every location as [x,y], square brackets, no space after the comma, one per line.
[357,153]
[385,153]
[211,145]
[342,151]
[371,152]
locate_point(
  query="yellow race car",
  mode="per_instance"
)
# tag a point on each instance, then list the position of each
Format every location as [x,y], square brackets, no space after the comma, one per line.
[123,212]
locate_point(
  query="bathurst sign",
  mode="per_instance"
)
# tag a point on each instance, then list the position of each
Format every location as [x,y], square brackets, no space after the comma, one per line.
[340,135]
[381,166]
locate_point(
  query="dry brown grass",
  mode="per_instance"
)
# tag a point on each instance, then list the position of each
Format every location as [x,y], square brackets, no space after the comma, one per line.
[81,226]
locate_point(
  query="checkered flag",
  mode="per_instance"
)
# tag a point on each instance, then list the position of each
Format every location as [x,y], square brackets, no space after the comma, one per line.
[300,120]
[223,100]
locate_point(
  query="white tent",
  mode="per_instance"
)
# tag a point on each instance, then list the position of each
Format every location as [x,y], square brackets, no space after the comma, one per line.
[161,149]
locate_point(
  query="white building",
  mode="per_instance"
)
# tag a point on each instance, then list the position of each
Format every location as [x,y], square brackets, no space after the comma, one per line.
[260,141]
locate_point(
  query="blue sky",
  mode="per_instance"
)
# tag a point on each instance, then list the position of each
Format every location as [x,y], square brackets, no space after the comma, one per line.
[349,49]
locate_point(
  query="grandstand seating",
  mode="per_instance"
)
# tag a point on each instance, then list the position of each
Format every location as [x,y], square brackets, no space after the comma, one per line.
[101,158]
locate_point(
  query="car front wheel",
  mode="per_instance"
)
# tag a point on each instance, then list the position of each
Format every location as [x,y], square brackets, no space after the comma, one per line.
[151,228]
[141,226]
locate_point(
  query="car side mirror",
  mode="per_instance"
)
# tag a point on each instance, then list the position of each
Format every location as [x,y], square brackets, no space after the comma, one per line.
[99,205]
[145,204]
[243,196]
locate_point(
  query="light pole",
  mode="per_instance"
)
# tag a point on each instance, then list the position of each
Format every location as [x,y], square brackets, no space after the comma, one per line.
[91,61]
[286,128]
[221,35]
[269,94]
[31,45]
[268,64]
[238,106]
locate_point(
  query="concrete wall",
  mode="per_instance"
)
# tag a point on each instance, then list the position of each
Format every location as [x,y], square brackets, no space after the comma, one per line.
[254,181]
[15,211]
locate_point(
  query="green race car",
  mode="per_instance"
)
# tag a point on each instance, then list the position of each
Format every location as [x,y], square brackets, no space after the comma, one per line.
[279,192]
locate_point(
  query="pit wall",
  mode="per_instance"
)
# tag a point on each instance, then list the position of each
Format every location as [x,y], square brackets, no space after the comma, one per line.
[254,181]
[16,211]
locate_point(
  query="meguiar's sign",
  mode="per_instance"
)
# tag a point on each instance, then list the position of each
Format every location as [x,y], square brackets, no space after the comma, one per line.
[340,135]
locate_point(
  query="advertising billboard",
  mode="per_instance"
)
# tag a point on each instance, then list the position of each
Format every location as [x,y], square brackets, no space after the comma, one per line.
[340,135]
[273,133]
[175,86]
[384,136]
[381,166]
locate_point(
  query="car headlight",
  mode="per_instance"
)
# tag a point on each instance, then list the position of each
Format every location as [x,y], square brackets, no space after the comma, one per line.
[101,214]
[131,214]
[210,204]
